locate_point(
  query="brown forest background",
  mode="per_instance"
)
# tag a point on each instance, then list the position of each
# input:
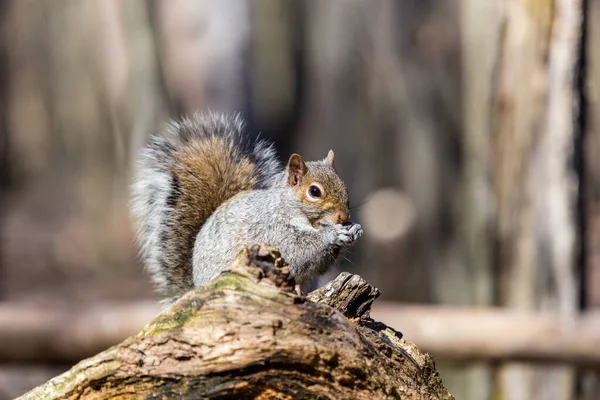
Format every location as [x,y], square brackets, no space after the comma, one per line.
[465,129]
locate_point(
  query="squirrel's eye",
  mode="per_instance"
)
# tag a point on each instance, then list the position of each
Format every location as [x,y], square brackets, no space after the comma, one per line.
[314,191]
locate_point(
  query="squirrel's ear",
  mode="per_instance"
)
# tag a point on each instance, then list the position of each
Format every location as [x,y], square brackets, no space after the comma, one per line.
[329,158]
[296,169]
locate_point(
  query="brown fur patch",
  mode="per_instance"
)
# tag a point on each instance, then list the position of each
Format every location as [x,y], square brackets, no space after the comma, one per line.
[209,172]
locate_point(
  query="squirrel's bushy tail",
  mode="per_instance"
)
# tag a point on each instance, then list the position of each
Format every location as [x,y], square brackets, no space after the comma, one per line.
[181,179]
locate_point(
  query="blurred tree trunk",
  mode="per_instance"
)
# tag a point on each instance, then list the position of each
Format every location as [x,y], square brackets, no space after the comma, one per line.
[590,164]
[481,42]
[203,49]
[522,130]
[4,142]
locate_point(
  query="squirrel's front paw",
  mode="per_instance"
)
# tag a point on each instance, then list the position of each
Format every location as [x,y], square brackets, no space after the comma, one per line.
[347,234]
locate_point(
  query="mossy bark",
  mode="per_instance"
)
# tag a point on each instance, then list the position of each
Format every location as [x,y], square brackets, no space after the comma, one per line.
[250,334]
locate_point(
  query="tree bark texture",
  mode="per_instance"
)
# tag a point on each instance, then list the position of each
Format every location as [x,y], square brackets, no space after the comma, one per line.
[249,334]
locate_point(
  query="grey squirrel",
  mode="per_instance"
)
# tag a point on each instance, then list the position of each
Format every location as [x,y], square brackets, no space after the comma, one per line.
[203,190]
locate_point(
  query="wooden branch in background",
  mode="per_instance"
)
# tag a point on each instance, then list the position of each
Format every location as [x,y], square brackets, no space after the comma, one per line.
[66,335]
[485,334]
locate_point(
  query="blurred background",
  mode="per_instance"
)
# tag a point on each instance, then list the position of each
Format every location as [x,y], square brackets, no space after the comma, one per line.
[466,131]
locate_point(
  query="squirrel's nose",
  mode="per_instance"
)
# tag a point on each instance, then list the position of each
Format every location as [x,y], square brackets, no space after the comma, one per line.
[340,217]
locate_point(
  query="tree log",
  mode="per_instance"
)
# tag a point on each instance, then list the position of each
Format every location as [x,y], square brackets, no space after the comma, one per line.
[250,334]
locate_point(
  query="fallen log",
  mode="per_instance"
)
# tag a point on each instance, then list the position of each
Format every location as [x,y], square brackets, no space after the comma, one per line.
[249,333]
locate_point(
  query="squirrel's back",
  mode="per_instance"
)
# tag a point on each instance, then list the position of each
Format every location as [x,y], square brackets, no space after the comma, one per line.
[182,178]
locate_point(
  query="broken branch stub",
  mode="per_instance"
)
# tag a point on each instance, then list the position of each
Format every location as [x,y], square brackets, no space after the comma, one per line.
[348,293]
[249,334]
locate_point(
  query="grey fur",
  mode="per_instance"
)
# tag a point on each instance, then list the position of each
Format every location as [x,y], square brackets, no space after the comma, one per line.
[149,207]
[268,216]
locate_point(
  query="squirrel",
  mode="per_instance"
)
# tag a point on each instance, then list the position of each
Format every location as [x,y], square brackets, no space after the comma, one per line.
[203,190]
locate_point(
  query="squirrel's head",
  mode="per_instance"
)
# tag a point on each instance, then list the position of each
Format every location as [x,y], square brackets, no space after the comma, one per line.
[323,195]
